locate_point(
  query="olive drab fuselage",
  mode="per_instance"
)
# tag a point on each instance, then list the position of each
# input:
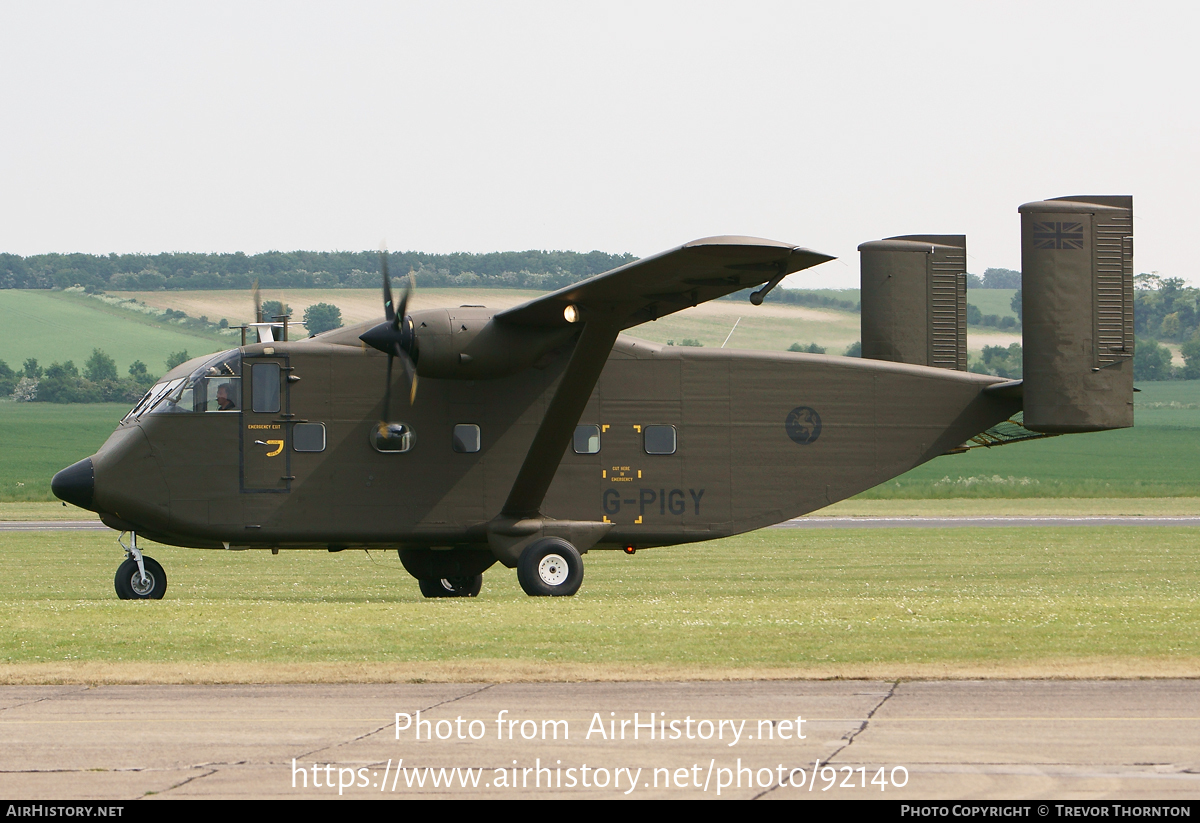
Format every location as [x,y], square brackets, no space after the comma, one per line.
[759,438]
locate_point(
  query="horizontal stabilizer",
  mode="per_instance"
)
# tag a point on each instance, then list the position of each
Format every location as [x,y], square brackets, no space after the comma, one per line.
[1013,389]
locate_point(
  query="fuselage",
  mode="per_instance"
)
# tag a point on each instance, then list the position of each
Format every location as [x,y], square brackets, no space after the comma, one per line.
[688,444]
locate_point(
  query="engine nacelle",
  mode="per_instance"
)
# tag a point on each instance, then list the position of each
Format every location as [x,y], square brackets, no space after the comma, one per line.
[467,343]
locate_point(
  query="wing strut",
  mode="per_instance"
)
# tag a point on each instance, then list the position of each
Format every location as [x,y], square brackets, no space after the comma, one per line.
[608,303]
[568,403]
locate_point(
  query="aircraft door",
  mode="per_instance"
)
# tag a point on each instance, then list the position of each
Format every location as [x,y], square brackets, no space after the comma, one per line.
[266,417]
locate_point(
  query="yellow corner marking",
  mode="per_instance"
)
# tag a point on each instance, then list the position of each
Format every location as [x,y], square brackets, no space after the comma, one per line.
[603,428]
[278,444]
[606,520]
[637,429]
[639,520]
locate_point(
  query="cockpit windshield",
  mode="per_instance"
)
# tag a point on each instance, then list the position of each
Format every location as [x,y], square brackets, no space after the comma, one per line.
[214,387]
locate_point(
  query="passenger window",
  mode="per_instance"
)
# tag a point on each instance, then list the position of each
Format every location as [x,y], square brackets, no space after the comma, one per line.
[466,438]
[393,437]
[266,387]
[587,440]
[308,437]
[659,439]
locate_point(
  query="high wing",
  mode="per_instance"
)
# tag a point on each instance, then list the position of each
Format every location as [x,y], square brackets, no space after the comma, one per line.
[656,286]
[604,305]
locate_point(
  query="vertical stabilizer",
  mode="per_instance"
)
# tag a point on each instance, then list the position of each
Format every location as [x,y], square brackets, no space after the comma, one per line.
[914,300]
[1077,313]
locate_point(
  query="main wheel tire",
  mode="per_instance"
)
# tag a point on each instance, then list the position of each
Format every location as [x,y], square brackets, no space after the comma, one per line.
[129,583]
[452,586]
[550,567]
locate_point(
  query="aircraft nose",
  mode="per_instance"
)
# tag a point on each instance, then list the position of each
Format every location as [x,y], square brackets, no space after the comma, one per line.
[76,484]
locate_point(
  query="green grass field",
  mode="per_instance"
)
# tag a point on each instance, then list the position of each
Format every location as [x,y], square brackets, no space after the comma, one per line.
[59,326]
[1159,457]
[38,439]
[782,601]
[993,301]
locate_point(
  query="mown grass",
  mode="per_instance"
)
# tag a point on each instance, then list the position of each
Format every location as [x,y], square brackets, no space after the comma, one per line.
[776,599]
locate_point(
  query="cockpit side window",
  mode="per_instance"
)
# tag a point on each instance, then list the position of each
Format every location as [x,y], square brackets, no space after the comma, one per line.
[222,378]
[153,397]
[178,398]
[215,387]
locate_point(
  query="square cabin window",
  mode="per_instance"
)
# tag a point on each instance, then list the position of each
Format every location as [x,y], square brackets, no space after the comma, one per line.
[587,440]
[466,438]
[308,437]
[266,387]
[659,439]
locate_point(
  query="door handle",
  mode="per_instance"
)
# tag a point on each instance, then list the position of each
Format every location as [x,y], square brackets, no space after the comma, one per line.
[278,444]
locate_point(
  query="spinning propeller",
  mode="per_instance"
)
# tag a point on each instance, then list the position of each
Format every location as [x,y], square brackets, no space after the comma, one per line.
[395,337]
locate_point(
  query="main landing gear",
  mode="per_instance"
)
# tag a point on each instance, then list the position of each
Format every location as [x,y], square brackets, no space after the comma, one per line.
[452,586]
[139,577]
[550,567]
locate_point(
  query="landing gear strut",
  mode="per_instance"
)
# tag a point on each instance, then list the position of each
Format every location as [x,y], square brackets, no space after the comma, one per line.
[139,577]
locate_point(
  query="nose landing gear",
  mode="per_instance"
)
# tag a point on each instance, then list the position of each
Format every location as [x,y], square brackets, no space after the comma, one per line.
[139,577]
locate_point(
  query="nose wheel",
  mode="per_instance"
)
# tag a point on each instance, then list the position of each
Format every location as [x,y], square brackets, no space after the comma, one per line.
[139,577]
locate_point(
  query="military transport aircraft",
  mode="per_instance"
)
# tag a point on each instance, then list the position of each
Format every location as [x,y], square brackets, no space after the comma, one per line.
[540,432]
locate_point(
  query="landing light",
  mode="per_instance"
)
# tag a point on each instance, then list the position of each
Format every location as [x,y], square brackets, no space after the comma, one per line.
[571,313]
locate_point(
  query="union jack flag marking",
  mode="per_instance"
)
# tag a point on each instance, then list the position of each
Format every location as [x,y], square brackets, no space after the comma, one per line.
[1058,235]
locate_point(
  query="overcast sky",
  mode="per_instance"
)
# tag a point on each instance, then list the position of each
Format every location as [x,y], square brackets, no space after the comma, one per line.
[635,127]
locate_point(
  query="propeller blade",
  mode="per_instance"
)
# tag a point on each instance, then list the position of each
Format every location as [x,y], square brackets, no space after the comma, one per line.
[257,304]
[388,306]
[387,392]
[409,288]
[410,371]
[389,337]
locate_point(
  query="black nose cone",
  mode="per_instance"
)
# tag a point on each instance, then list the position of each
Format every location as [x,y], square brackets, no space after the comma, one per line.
[76,484]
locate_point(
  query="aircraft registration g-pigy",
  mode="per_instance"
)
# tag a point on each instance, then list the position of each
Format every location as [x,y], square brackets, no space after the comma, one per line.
[540,432]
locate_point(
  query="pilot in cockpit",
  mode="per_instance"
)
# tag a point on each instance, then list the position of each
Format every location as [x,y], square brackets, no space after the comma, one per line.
[225,400]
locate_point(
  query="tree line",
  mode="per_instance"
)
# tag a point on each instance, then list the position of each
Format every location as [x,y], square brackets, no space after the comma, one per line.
[98,382]
[300,269]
